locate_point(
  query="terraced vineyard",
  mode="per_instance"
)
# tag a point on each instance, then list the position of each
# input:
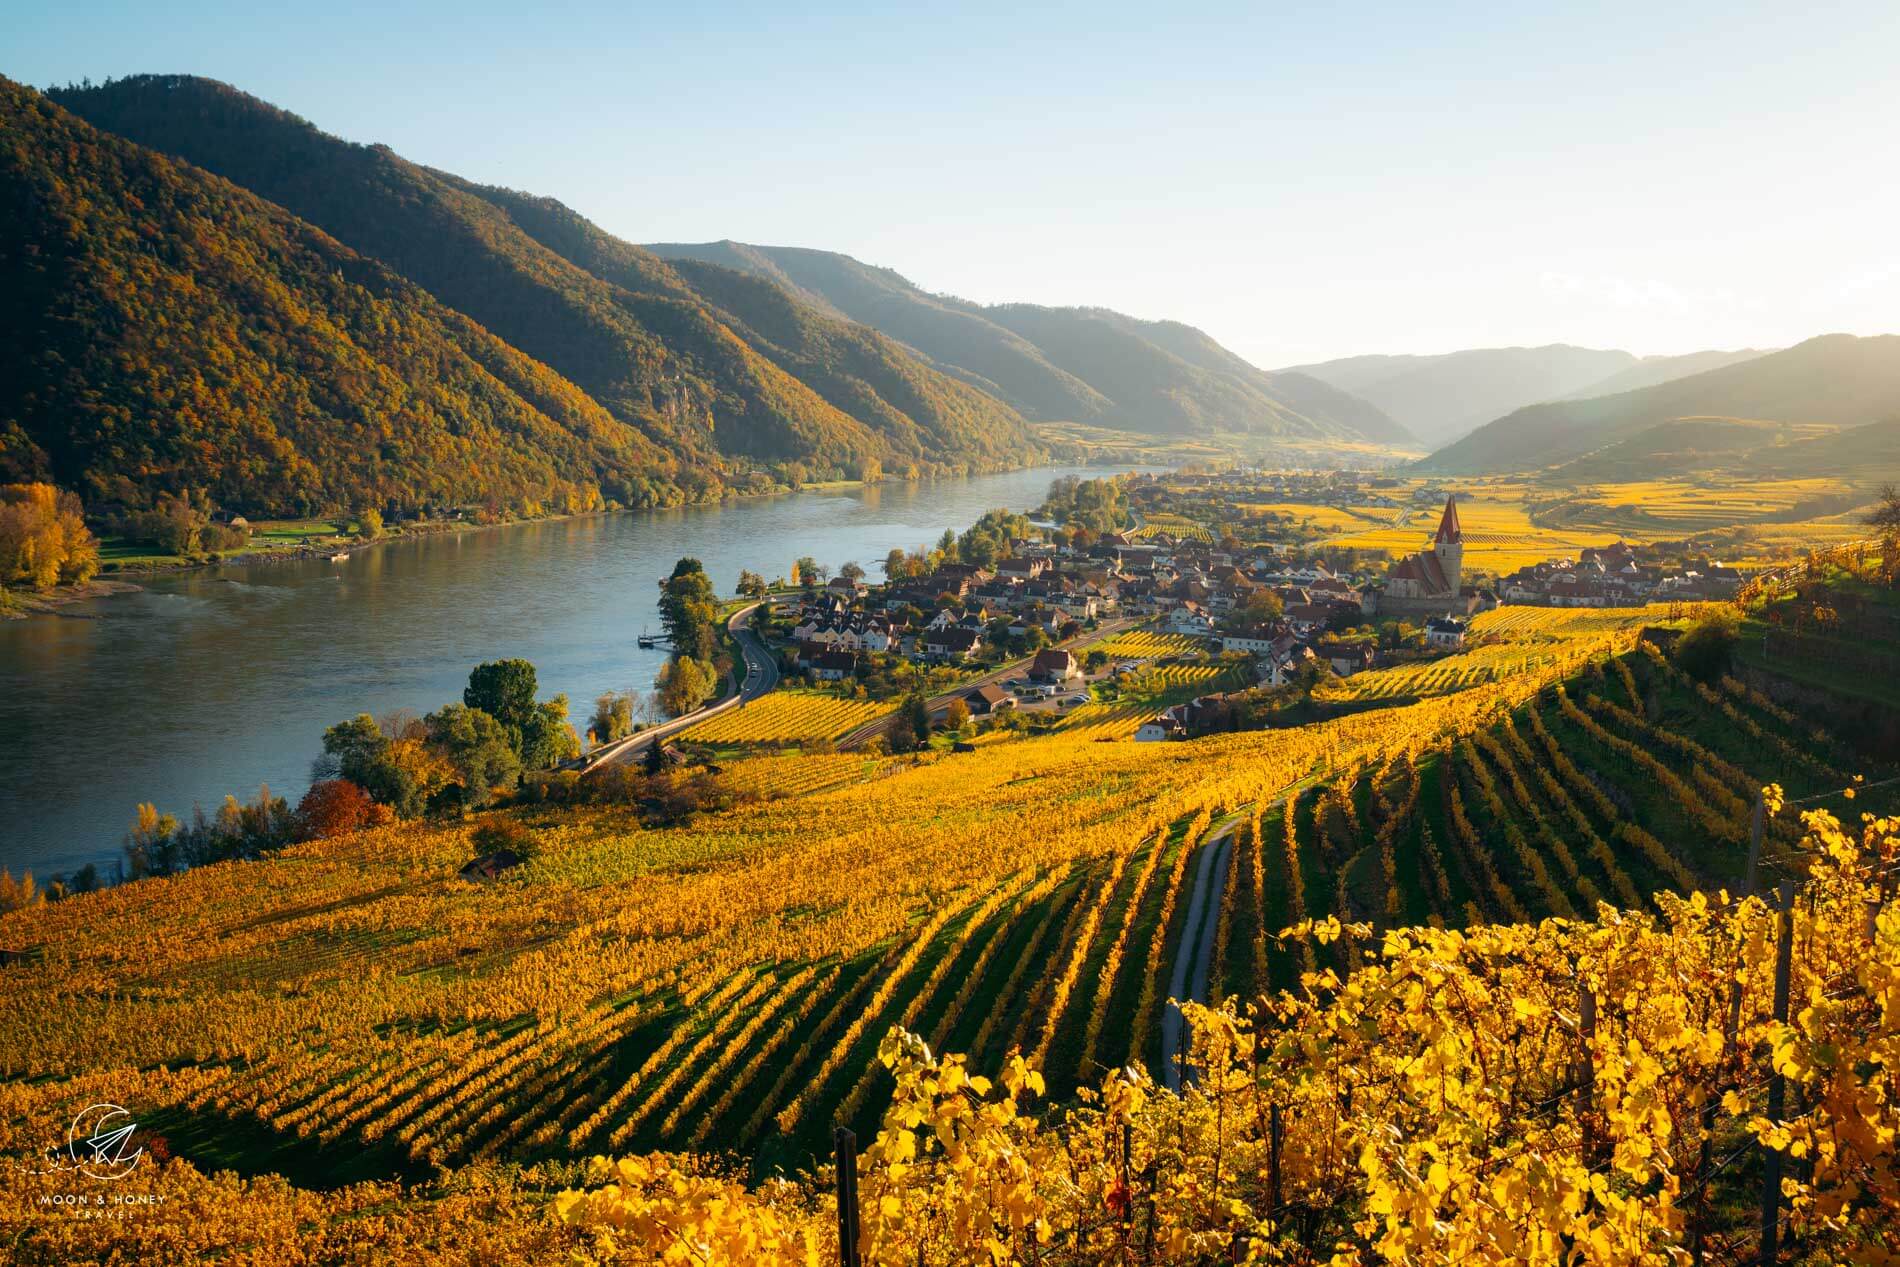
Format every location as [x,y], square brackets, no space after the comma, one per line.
[1177,526]
[788,717]
[1529,640]
[1147,644]
[353,1008]
[1560,804]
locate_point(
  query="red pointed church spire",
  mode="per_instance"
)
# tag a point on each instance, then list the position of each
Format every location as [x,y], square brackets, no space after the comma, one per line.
[1449,533]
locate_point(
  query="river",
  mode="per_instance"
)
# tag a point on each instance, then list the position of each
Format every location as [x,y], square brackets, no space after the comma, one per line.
[217,680]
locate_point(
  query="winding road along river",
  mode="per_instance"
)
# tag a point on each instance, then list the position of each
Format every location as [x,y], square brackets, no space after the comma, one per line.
[215,681]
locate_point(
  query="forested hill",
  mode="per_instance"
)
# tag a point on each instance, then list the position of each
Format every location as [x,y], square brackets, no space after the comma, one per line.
[639,339]
[1837,379]
[921,411]
[162,330]
[1068,364]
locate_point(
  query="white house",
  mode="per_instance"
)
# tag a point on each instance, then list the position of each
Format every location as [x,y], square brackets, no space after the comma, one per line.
[1447,632]
[1189,618]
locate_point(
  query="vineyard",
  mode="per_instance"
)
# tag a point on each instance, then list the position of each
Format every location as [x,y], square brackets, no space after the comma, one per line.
[788,717]
[353,1010]
[1510,642]
[1499,533]
[1177,526]
[1146,644]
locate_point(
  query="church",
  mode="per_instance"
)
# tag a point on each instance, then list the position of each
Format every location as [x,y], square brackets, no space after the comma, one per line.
[1428,583]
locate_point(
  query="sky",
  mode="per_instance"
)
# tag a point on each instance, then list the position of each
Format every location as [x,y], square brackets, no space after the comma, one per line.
[1303,181]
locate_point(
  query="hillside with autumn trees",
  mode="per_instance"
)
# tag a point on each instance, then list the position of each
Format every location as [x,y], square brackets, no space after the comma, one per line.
[168,331]
[728,410]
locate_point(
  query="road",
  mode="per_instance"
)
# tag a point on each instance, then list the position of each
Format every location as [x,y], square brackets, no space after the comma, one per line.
[937,703]
[761,677]
[1194,953]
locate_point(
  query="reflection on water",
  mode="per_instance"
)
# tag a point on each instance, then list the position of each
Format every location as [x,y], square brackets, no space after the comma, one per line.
[216,681]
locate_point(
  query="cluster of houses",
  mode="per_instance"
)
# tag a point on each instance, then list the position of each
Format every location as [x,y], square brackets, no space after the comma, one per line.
[1614,576]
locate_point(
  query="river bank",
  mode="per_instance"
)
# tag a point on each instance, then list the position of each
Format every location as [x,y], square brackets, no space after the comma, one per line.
[211,680]
[19,604]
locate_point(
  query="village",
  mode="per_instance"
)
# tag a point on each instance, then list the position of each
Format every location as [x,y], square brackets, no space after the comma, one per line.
[1036,630]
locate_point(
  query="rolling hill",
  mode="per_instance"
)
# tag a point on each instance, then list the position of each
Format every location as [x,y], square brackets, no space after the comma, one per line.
[1438,398]
[1835,379]
[167,332]
[1087,365]
[635,336]
[1652,370]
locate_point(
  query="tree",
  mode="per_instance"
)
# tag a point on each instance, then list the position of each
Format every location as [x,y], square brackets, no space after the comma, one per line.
[504,689]
[44,540]
[479,754]
[546,738]
[688,608]
[805,571]
[151,847]
[369,521]
[1262,607]
[751,584]
[1884,518]
[16,894]
[915,717]
[503,833]
[683,685]
[336,807]
[1095,661]
[956,717]
[1706,651]
[613,717]
[850,570]
[896,563]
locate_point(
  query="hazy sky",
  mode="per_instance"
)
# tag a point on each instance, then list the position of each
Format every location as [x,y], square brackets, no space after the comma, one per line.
[1301,180]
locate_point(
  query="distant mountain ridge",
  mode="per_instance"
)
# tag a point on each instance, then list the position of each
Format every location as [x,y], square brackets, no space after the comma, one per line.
[719,412]
[1065,364]
[1439,397]
[1835,379]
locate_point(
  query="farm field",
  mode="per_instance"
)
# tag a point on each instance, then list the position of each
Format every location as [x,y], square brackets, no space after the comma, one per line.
[1678,508]
[788,717]
[1328,518]
[729,982]
[1500,535]
[1147,644]
[1510,642]
[1177,526]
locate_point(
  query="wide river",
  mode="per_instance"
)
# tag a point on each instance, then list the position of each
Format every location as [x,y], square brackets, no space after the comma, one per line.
[218,680]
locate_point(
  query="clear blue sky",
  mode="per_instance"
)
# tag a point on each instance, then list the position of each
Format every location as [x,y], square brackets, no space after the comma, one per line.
[1303,181]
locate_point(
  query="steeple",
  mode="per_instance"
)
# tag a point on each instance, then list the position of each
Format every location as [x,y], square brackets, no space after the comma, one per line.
[1449,546]
[1449,533]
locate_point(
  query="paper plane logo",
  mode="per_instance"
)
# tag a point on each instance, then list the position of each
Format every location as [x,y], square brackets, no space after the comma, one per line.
[100,1142]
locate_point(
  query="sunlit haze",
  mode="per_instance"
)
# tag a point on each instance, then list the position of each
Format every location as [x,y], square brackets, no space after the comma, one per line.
[1301,181]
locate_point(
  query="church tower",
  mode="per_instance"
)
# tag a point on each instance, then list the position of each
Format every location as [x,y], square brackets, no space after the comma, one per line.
[1449,545]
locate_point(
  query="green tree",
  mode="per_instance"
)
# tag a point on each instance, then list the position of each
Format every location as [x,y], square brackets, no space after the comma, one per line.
[504,689]
[896,564]
[546,738]
[751,584]
[478,751]
[805,571]
[1707,649]
[613,717]
[688,609]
